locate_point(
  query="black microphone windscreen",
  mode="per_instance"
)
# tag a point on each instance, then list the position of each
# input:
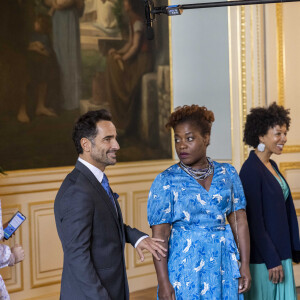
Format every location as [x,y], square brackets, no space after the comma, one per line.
[150,33]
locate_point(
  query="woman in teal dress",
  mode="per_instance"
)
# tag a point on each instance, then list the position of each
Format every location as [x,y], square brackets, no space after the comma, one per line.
[270,210]
[188,206]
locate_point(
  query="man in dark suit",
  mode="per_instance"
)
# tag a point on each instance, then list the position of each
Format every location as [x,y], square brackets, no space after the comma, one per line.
[89,220]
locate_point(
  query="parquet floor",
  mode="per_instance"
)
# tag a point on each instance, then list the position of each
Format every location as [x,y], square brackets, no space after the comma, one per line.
[150,294]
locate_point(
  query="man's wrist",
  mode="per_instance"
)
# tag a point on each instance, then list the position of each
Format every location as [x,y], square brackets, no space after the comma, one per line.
[140,239]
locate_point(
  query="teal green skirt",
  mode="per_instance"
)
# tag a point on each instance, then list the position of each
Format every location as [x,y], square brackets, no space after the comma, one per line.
[263,289]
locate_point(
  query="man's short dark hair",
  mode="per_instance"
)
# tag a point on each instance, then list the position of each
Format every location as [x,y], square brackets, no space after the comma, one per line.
[85,127]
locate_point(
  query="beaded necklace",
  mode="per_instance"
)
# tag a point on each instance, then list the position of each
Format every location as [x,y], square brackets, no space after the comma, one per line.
[199,174]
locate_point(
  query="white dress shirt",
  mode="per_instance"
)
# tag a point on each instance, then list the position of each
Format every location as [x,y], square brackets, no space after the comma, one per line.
[99,175]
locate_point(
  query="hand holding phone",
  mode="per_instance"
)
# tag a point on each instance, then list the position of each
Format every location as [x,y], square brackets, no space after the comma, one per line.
[13,224]
[19,253]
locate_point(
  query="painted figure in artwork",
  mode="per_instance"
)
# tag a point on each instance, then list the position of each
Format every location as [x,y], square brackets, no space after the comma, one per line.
[43,69]
[105,18]
[125,68]
[66,43]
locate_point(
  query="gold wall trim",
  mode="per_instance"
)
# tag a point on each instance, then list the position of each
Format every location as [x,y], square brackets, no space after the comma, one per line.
[28,192]
[230,82]
[117,177]
[243,113]
[60,181]
[171,79]
[296,195]
[29,183]
[298,212]
[281,67]
[260,83]
[280,54]
[291,149]
[252,57]
[40,171]
[284,166]
[62,170]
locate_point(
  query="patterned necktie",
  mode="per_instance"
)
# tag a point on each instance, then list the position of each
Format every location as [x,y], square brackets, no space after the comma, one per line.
[105,185]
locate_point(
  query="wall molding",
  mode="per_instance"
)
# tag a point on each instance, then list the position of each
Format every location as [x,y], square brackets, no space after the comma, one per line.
[292,165]
[291,149]
[41,277]
[33,193]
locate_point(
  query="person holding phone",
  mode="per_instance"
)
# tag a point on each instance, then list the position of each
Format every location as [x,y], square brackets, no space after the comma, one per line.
[8,257]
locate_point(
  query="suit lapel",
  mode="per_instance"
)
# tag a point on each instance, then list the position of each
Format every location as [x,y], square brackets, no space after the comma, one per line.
[102,193]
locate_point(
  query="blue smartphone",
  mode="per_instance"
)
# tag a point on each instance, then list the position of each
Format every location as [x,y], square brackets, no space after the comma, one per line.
[13,224]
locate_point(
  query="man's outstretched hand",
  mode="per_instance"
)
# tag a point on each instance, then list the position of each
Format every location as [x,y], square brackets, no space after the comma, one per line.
[152,245]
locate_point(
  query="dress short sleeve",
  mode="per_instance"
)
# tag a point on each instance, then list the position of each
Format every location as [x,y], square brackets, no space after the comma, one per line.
[160,202]
[138,26]
[238,199]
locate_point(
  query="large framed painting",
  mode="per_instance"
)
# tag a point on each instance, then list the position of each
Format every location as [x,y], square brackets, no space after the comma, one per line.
[62,58]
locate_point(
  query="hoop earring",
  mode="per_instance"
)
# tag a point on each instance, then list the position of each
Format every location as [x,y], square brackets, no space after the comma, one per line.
[261,147]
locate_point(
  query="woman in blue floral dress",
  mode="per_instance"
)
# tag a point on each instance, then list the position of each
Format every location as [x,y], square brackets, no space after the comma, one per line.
[188,206]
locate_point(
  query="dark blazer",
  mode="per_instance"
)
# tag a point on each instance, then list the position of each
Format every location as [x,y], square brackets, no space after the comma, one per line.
[272,220]
[93,237]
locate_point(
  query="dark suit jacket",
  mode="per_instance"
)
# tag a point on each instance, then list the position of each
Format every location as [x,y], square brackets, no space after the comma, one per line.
[272,220]
[93,237]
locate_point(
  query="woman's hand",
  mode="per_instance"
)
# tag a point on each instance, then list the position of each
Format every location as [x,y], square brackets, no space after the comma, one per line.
[276,274]
[245,279]
[166,291]
[117,56]
[5,224]
[111,51]
[239,226]
[18,252]
[38,47]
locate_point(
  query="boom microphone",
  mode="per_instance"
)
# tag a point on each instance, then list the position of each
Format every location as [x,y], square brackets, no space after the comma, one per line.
[149,32]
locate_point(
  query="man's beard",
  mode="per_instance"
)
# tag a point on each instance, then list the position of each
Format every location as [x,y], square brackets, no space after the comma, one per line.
[104,159]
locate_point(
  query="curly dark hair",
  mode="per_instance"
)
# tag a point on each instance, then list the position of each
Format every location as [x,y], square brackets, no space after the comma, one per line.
[261,119]
[85,127]
[198,115]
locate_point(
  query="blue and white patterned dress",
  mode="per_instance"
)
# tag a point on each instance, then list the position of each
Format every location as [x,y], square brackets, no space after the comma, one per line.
[203,256]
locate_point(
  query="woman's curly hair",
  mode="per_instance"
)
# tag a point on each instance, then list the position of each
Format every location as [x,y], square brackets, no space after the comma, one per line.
[261,119]
[198,115]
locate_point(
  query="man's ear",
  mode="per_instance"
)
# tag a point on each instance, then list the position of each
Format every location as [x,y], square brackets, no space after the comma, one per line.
[85,144]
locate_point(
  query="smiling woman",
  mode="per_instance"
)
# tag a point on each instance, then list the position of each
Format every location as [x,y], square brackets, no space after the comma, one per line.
[194,198]
[270,209]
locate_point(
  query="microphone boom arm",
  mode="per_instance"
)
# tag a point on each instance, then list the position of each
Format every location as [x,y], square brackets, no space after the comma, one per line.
[176,9]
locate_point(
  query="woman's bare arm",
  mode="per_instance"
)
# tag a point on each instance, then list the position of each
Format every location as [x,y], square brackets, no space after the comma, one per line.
[134,47]
[239,226]
[165,290]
